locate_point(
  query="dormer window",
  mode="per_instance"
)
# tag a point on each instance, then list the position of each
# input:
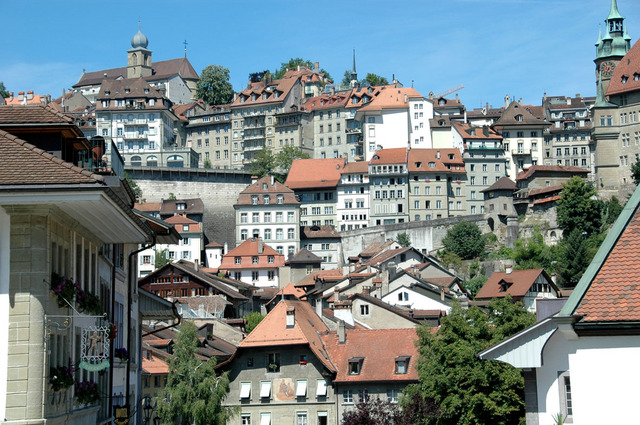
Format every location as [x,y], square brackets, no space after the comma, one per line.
[266,199]
[402,365]
[418,164]
[146,91]
[432,165]
[254,200]
[181,206]
[238,260]
[276,94]
[442,102]
[280,199]
[518,118]
[264,95]
[636,77]
[127,90]
[355,365]
[107,92]
[451,156]
[624,79]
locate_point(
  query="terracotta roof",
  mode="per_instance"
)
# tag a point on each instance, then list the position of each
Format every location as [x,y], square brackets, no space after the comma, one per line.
[391,98]
[179,219]
[319,232]
[248,249]
[129,88]
[148,206]
[519,280]
[304,256]
[310,279]
[257,90]
[272,189]
[315,173]
[24,164]
[36,99]
[214,244]
[324,101]
[386,255]
[390,156]
[357,167]
[273,330]
[419,159]
[160,69]
[547,199]
[614,293]
[375,248]
[555,169]
[154,366]
[289,291]
[378,349]
[628,67]
[467,131]
[528,118]
[32,114]
[503,183]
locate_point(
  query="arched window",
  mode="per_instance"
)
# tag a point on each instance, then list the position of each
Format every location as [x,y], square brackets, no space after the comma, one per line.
[175,161]
[152,161]
[136,161]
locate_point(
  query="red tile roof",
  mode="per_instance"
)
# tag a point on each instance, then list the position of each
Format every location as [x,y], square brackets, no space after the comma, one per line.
[519,280]
[315,173]
[628,67]
[272,189]
[390,156]
[614,293]
[379,349]
[273,330]
[248,249]
[289,290]
[24,164]
[529,114]
[359,167]
[467,131]
[310,279]
[32,114]
[392,98]
[419,160]
[155,366]
[545,190]
[148,206]
[319,232]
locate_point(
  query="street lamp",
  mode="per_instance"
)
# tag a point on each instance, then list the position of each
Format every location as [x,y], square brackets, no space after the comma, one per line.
[147,409]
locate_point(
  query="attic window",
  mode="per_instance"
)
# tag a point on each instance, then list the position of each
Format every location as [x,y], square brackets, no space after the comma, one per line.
[264,95]
[518,118]
[127,90]
[107,92]
[451,156]
[418,164]
[504,286]
[624,79]
[636,77]
[181,206]
[355,365]
[276,94]
[432,165]
[273,365]
[442,102]
[402,365]
[146,90]
[441,122]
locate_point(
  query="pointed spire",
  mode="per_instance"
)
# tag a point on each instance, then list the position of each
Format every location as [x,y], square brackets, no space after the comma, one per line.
[607,34]
[613,13]
[626,35]
[354,62]
[599,36]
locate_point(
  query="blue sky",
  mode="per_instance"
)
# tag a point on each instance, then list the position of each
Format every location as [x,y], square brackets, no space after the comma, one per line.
[493,47]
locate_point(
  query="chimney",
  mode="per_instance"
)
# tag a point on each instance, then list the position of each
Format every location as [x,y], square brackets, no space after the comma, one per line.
[442,294]
[20,96]
[569,101]
[196,265]
[465,115]
[485,131]
[508,268]
[319,307]
[554,278]
[457,97]
[272,180]
[366,290]
[437,154]
[342,333]
[406,98]
[260,246]
[392,270]
[506,100]
[336,294]
[520,101]
[544,96]
[10,96]
[30,95]
[225,249]
[291,316]
[316,67]
[414,269]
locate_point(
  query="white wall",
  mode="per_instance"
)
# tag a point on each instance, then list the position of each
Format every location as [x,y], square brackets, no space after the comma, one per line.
[5,228]
[416,300]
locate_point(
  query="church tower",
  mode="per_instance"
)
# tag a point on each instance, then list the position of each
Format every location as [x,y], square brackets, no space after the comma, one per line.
[612,47]
[354,74]
[139,57]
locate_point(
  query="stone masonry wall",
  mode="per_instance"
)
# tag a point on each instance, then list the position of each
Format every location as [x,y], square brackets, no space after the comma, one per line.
[218,189]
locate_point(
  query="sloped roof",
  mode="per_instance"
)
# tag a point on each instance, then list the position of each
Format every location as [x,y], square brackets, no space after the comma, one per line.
[555,169]
[319,232]
[508,117]
[419,159]
[545,190]
[290,290]
[392,98]
[310,279]
[390,156]
[160,69]
[24,164]
[315,173]
[520,281]
[467,131]
[360,167]
[304,256]
[503,183]
[130,88]
[258,188]
[148,206]
[379,349]
[273,330]
[32,114]
[179,219]
[613,292]
[375,248]
[154,366]
[193,206]
[250,248]
[325,101]
[628,67]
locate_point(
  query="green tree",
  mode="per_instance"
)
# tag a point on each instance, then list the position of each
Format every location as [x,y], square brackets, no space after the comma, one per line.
[635,171]
[474,284]
[373,411]
[293,63]
[613,208]
[162,258]
[194,393]
[533,253]
[574,258]
[465,240]
[403,239]
[346,78]
[4,93]
[213,86]
[207,163]
[264,163]
[467,390]
[287,155]
[134,186]
[578,207]
[375,80]
[253,319]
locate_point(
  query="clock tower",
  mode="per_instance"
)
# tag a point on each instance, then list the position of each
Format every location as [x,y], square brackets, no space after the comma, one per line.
[612,47]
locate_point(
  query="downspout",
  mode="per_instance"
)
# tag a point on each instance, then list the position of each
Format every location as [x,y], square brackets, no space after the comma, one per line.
[112,314]
[132,279]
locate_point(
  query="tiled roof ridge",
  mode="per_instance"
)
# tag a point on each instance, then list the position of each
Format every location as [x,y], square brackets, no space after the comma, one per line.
[46,155]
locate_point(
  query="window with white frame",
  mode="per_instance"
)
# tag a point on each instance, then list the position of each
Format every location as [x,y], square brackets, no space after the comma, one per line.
[321,388]
[245,419]
[265,389]
[265,418]
[245,390]
[301,418]
[392,396]
[347,397]
[301,388]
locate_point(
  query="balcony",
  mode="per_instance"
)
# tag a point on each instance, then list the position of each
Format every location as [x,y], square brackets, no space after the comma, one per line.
[515,152]
[480,147]
[353,131]
[135,136]
[137,121]
[254,137]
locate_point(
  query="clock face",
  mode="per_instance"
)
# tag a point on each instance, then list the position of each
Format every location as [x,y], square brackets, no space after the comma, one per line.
[607,68]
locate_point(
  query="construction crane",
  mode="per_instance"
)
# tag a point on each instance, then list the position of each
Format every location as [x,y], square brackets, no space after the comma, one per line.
[451,90]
